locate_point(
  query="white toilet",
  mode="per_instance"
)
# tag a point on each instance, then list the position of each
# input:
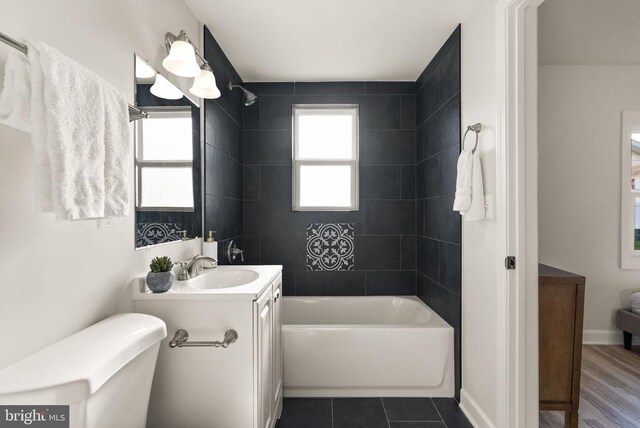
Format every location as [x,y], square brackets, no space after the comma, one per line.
[103,373]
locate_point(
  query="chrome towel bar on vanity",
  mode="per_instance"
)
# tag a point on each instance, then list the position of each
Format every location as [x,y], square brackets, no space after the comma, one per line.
[180,339]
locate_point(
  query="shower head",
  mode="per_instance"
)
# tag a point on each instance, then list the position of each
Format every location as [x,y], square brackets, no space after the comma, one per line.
[249,97]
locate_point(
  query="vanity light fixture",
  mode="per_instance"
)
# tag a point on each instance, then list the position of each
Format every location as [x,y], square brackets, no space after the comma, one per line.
[204,85]
[162,88]
[182,60]
[143,69]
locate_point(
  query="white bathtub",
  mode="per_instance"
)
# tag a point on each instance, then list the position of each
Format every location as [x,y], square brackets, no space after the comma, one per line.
[365,347]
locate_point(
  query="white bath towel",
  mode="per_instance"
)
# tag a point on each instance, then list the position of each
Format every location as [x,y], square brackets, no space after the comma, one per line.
[477,209]
[80,134]
[117,144]
[15,97]
[469,199]
[462,201]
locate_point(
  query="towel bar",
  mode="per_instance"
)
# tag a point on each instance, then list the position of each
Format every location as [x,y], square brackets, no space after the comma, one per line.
[476,128]
[181,340]
[134,112]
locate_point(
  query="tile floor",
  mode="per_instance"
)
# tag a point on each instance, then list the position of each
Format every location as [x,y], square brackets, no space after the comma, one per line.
[372,413]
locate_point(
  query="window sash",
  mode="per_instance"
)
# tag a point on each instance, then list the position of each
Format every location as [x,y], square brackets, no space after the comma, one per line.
[169,112]
[353,162]
[350,110]
[141,165]
[353,166]
[159,112]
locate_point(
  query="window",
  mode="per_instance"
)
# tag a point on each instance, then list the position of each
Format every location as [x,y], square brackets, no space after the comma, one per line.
[325,157]
[164,160]
[630,209]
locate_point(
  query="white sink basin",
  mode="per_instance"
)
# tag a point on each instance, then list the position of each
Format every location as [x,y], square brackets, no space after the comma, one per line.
[223,282]
[223,279]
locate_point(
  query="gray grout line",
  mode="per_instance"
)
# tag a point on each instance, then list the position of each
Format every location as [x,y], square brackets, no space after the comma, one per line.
[441,285]
[438,410]
[437,110]
[433,239]
[436,154]
[331,412]
[385,412]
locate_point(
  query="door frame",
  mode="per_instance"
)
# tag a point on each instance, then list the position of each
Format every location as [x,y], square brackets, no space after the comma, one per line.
[517,207]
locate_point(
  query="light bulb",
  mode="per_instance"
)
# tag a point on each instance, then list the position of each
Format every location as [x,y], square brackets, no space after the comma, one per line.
[162,88]
[181,60]
[204,85]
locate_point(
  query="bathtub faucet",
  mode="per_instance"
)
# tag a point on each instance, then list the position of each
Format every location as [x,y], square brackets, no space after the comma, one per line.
[191,269]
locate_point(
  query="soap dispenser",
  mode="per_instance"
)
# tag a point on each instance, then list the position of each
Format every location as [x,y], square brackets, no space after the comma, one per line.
[210,246]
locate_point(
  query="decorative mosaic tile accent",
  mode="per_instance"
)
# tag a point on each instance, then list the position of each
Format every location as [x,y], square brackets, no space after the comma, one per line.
[157,233]
[330,246]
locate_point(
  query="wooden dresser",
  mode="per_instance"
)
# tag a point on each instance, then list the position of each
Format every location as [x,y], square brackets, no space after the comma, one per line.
[561,308]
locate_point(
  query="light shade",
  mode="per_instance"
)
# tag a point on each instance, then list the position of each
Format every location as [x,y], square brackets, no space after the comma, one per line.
[181,60]
[143,69]
[204,85]
[162,88]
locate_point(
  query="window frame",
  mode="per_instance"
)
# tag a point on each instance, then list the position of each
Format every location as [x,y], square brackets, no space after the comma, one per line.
[629,257]
[159,112]
[354,162]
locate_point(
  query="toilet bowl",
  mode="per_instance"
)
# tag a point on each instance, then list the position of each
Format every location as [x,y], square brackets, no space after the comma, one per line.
[103,373]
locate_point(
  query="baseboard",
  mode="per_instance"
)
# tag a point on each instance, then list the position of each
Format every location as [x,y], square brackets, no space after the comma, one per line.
[473,412]
[605,337]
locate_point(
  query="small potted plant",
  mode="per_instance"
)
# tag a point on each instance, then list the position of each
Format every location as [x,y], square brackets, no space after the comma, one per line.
[161,276]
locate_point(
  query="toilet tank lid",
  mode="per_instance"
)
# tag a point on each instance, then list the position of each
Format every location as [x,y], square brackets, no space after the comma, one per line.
[75,367]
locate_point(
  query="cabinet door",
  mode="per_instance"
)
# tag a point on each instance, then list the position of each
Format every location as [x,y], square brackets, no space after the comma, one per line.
[557,309]
[277,347]
[264,336]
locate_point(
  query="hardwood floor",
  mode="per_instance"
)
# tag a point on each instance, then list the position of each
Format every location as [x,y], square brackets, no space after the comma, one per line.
[609,391]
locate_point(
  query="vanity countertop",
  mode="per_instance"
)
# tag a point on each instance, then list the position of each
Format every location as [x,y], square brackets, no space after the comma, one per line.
[205,286]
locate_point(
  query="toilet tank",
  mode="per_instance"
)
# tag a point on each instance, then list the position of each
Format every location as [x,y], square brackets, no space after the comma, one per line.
[103,373]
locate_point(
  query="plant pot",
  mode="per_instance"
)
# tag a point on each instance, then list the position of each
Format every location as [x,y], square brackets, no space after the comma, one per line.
[159,282]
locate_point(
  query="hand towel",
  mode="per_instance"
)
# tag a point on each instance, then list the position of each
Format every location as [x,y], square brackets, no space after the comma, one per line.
[15,97]
[477,209]
[117,154]
[462,201]
[81,137]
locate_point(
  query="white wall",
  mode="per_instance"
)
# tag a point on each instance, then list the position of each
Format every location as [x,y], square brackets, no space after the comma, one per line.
[59,277]
[579,183]
[589,32]
[583,88]
[479,239]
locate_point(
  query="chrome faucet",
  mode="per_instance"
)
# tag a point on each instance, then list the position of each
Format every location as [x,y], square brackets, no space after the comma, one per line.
[191,269]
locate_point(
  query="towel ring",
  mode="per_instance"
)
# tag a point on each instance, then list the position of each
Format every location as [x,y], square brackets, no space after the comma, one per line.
[475,128]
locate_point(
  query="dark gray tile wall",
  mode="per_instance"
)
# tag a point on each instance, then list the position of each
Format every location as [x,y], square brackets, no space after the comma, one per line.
[385,245]
[407,238]
[223,169]
[438,228]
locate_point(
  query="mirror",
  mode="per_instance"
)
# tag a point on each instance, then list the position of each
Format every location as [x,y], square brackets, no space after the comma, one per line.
[167,161]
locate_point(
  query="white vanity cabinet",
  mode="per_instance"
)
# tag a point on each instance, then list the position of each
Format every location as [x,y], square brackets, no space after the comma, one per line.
[235,387]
